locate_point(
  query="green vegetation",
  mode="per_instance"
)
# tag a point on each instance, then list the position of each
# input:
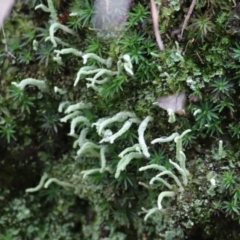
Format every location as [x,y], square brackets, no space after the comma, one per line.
[86,154]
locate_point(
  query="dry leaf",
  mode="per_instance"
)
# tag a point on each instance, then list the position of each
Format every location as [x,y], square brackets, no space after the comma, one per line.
[175,102]
[109,15]
[5,8]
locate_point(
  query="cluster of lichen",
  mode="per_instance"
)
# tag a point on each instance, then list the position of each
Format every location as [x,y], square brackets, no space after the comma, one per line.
[105,89]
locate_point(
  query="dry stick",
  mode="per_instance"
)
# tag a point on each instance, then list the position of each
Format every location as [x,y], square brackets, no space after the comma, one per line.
[234,3]
[5,43]
[155,25]
[190,10]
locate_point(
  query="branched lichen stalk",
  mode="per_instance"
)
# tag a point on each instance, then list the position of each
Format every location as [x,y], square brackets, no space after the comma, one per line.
[52,10]
[70,116]
[67,51]
[53,29]
[84,70]
[101,72]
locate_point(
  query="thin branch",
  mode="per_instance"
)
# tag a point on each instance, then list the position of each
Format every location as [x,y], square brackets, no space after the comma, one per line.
[155,25]
[5,43]
[190,10]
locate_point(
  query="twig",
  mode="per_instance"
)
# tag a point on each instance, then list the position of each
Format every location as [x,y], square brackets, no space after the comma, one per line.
[155,25]
[234,3]
[5,43]
[190,41]
[199,57]
[190,10]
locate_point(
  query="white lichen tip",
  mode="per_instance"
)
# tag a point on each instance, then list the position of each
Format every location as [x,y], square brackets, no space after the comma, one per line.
[59,90]
[165,139]
[75,121]
[127,64]
[141,139]
[78,106]
[122,164]
[107,62]
[127,59]
[163,195]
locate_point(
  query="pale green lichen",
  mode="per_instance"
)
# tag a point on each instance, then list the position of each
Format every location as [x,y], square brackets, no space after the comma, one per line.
[70,116]
[165,139]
